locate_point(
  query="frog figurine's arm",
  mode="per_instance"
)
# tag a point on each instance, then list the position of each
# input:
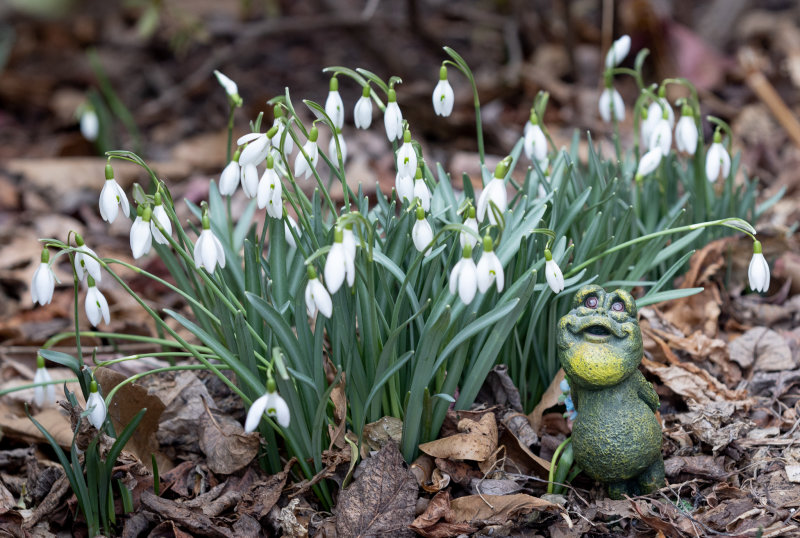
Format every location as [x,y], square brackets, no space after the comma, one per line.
[645,391]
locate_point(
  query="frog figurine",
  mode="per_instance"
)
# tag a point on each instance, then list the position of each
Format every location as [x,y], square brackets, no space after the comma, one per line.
[616,438]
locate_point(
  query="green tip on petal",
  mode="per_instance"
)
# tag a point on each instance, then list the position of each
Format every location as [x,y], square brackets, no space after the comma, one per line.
[39,361]
[313,134]
[472,212]
[717,136]
[90,282]
[391,96]
[334,86]
[93,386]
[109,171]
[407,136]
[443,72]
[686,110]
[45,255]
[312,274]
[665,113]
[272,132]
[270,161]
[271,386]
[756,247]
[365,91]
[349,226]
[488,246]
[467,251]
[548,256]
[146,214]
[420,213]
[338,235]
[157,198]
[206,222]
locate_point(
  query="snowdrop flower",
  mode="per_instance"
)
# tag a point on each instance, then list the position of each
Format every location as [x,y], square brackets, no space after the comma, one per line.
[686,132]
[339,265]
[208,250]
[112,197]
[96,406]
[421,190]
[85,259]
[464,277]
[230,88]
[618,51]
[552,272]
[443,97]
[229,179]
[404,185]
[648,163]
[655,113]
[362,115]
[141,233]
[288,143]
[43,394]
[289,225]
[490,270]
[494,193]
[301,165]
[421,233]
[160,216]
[257,148]
[317,297]
[758,272]
[535,145]
[466,238]
[661,137]
[342,145]
[273,405]
[249,177]
[270,191]
[392,117]
[90,123]
[44,281]
[96,305]
[349,241]
[611,105]
[334,107]
[406,156]
[718,162]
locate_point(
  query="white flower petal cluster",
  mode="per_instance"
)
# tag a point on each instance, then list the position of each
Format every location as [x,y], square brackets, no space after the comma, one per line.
[422,233]
[301,165]
[208,251]
[288,143]
[404,185]
[611,105]
[227,84]
[362,114]
[342,145]
[112,197]
[229,179]
[464,277]
[249,178]
[44,281]
[340,263]
[718,162]
[256,150]
[273,405]
[648,163]
[535,144]
[552,273]
[270,191]
[422,192]
[758,272]
[96,406]
[90,124]
[288,225]
[494,193]
[618,51]
[466,238]
[443,97]
[393,118]
[661,137]
[686,134]
[43,394]
[334,107]
[406,156]
[141,237]
[85,261]
[317,297]
[490,270]
[655,113]
[96,305]
[160,216]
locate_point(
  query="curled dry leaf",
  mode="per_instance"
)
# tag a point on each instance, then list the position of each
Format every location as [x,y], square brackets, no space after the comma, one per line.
[436,521]
[477,441]
[763,349]
[226,446]
[498,509]
[549,399]
[377,434]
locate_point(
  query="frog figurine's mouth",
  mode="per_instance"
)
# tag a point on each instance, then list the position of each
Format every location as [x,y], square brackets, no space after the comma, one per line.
[596,329]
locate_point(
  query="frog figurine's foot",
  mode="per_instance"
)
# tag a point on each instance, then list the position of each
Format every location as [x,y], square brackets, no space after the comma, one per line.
[617,490]
[651,478]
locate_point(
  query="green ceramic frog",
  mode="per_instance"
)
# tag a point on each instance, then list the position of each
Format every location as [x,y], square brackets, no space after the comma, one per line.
[616,438]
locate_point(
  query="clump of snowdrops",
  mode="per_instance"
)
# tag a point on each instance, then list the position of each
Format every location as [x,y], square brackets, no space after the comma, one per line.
[405,299]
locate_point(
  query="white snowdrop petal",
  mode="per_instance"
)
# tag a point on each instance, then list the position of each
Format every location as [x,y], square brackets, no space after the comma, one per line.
[254,413]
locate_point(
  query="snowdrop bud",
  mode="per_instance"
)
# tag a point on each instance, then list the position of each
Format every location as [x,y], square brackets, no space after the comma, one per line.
[421,233]
[229,179]
[443,97]
[96,407]
[230,88]
[249,177]
[90,123]
[85,259]
[96,305]
[301,165]
[535,145]
[618,51]
[342,146]
[208,251]
[392,117]
[718,162]
[611,105]
[160,217]
[464,277]
[317,297]
[648,163]
[466,238]
[334,107]
[362,115]
[43,394]
[686,132]
[112,197]
[278,125]
[661,136]
[141,233]
[421,190]
[339,265]
[494,193]
[552,272]
[270,191]
[490,270]
[44,281]
[758,272]
[406,156]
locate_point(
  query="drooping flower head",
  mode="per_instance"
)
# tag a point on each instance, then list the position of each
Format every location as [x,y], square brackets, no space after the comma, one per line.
[43,394]
[96,305]
[718,162]
[112,197]
[443,97]
[44,281]
[229,179]
[339,264]
[342,147]
[208,251]
[618,51]
[301,164]
[758,272]
[160,217]
[686,134]
[653,115]
[490,270]
[362,115]
[552,273]
[535,145]
[141,232]
[270,191]
[406,156]
[317,297]
[257,147]
[404,185]
[422,233]
[611,105]
[648,163]
[334,107]
[230,88]
[464,277]
[85,260]
[466,238]
[392,117]
[421,190]
[270,403]
[494,194]
[89,122]
[661,136]
[95,406]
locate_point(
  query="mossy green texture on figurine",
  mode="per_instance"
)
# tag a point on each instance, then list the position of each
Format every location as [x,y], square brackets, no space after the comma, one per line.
[616,438]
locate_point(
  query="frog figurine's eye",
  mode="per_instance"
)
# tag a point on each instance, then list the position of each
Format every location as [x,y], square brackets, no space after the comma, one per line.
[591,302]
[618,306]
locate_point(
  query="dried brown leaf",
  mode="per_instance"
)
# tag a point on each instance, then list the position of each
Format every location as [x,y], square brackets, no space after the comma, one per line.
[549,399]
[477,442]
[763,349]
[498,509]
[382,499]
[226,446]
[436,521]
